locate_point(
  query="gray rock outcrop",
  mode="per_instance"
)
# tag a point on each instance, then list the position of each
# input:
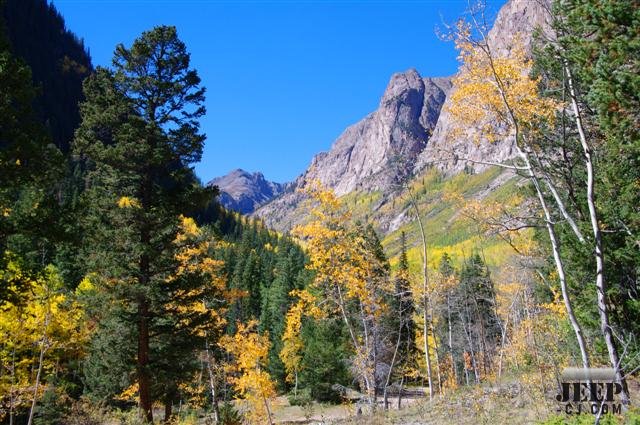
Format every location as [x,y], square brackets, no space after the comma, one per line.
[378,150]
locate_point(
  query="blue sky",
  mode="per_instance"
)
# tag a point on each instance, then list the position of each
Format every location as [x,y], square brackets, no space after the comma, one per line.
[283,78]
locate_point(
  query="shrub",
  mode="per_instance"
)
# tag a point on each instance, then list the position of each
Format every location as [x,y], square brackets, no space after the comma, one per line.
[324,393]
[229,415]
[301,399]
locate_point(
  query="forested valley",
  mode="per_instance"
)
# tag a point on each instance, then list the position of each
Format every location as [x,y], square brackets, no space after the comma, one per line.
[130,295]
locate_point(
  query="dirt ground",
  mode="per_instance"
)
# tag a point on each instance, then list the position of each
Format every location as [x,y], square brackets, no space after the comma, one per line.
[490,405]
[324,413]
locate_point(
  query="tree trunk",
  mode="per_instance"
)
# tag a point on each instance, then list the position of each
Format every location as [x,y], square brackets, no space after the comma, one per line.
[503,340]
[359,348]
[266,405]
[555,247]
[472,354]
[13,382]
[437,358]
[144,386]
[559,266]
[426,352]
[400,392]
[212,385]
[43,343]
[393,360]
[453,360]
[425,300]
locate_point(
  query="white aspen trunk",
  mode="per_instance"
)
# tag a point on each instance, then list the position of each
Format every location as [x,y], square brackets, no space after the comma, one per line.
[393,360]
[435,354]
[549,223]
[453,360]
[472,353]
[563,210]
[555,247]
[502,343]
[601,284]
[400,393]
[365,375]
[212,386]
[369,358]
[425,300]
[43,344]
[503,339]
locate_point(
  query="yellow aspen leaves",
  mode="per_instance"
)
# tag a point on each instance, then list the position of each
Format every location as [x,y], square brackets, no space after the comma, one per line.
[495,92]
[193,253]
[348,275]
[249,351]
[128,202]
[47,320]
[337,253]
[129,394]
[292,342]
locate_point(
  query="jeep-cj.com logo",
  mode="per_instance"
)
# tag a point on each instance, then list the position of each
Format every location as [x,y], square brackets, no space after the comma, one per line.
[589,391]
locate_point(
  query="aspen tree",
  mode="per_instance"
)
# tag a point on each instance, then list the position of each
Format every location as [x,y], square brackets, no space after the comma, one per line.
[347,275]
[249,351]
[495,93]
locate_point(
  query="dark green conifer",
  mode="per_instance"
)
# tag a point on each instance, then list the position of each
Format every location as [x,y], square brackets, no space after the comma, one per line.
[138,138]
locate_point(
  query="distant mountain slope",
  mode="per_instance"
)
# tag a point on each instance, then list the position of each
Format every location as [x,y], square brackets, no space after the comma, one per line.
[376,152]
[243,191]
[58,60]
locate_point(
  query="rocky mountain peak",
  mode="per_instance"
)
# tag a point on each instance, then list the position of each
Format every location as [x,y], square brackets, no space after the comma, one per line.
[243,191]
[406,84]
[367,154]
[516,20]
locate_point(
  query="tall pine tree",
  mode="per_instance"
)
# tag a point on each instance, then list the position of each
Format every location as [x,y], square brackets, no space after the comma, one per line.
[138,137]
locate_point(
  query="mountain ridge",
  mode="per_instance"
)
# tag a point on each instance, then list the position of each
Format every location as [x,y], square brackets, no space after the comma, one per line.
[243,191]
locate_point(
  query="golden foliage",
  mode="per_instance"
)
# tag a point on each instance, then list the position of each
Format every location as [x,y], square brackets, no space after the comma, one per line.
[128,202]
[292,342]
[344,269]
[194,254]
[347,274]
[247,373]
[48,320]
[495,92]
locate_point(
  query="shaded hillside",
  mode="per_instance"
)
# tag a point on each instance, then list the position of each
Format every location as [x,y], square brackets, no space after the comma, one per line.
[58,60]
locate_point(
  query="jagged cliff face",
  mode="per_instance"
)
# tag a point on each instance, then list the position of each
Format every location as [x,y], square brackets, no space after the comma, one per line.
[244,192]
[410,131]
[375,152]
